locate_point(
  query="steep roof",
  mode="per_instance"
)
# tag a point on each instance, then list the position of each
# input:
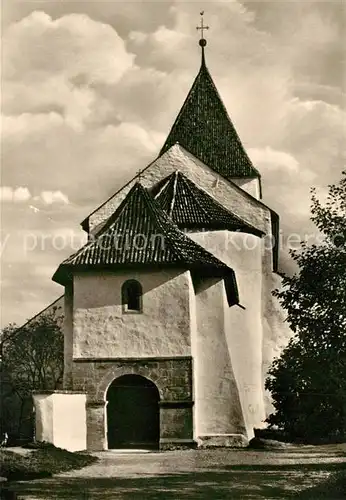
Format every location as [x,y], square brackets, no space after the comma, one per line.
[204,128]
[193,208]
[141,234]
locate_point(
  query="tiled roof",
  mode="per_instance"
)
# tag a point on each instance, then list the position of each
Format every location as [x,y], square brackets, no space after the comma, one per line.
[190,207]
[141,234]
[204,128]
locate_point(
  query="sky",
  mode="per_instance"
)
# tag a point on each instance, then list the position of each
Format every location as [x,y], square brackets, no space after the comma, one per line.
[91,89]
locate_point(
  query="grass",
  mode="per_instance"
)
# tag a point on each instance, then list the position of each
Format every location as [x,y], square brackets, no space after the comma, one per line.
[334,488]
[41,462]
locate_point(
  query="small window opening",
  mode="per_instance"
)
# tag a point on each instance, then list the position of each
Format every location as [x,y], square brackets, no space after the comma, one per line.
[132,296]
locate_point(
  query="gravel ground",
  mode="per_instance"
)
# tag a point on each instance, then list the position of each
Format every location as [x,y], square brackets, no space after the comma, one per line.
[192,474]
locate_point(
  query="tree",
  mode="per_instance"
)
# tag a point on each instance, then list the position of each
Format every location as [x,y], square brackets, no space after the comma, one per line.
[308,380]
[32,358]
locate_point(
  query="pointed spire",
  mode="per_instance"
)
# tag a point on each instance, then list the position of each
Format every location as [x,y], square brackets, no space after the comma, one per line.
[204,128]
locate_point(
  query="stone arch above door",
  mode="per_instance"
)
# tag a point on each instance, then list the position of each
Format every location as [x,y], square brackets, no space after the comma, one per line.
[114,373]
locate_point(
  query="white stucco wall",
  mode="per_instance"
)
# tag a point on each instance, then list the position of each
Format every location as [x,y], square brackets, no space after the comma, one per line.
[194,354]
[61,419]
[68,336]
[102,330]
[218,408]
[243,327]
[251,186]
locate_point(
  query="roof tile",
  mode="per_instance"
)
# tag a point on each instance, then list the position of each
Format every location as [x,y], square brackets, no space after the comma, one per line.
[192,208]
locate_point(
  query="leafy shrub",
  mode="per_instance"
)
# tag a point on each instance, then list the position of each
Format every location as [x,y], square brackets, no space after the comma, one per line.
[308,381]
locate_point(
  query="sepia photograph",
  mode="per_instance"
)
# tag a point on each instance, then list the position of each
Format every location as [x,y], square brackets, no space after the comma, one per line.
[173,249]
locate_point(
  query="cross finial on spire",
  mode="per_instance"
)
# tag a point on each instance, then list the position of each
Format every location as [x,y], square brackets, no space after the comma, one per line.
[202,27]
[202,41]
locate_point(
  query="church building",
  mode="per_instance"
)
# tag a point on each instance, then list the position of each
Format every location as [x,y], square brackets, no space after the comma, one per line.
[170,323]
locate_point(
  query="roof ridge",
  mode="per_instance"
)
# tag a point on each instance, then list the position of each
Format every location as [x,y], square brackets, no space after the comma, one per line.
[196,206]
[188,183]
[115,214]
[175,181]
[239,219]
[159,214]
[111,220]
[168,180]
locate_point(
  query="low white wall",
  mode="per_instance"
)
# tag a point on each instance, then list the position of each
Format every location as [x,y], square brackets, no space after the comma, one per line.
[43,417]
[61,419]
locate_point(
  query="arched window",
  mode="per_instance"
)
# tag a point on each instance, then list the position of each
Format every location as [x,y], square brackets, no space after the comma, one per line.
[131,294]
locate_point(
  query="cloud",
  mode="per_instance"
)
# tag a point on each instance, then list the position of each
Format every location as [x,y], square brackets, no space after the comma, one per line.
[86,165]
[22,194]
[70,113]
[85,52]
[286,187]
[50,197]
[17,195]
[25,124]
[269,157]
[89,98]
[309,36]
[82,49]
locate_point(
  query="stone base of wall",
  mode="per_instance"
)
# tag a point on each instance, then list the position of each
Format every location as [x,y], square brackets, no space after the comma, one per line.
[177,444]
[222,441]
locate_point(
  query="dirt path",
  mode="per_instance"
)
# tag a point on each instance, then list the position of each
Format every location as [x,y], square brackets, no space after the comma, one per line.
[192,474]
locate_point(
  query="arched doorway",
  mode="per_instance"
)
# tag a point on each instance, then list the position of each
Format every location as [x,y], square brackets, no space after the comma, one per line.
[133,413]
